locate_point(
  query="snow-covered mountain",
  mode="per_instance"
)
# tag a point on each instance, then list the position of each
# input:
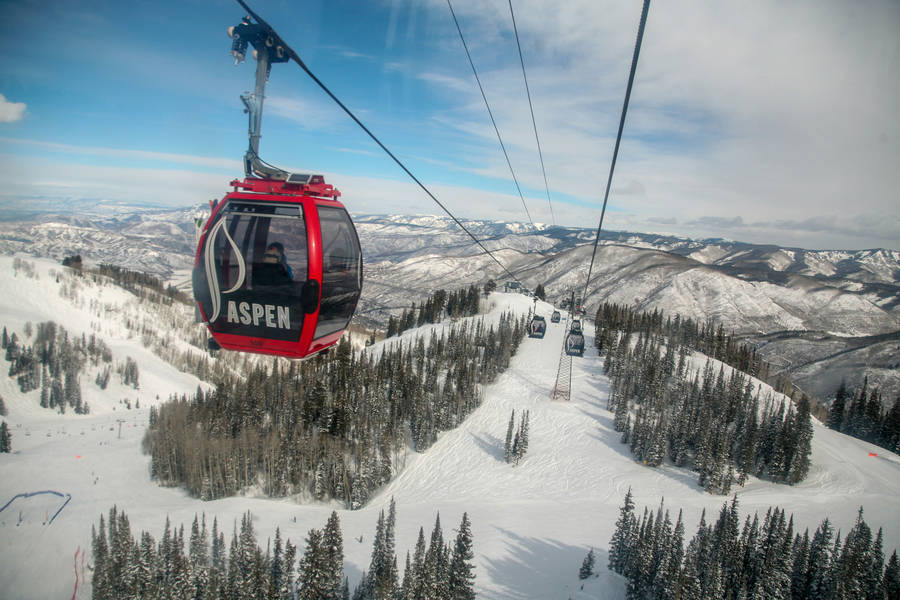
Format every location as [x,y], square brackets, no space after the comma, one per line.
[532,523]
[822,315]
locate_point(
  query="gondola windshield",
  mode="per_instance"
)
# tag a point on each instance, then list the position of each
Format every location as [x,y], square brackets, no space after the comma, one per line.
[255,260]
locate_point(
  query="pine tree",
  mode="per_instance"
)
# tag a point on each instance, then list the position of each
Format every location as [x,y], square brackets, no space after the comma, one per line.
[461,577]
[199,557]
[417,574]
[689,587]
[800,566]
[433,578]
[819,579]
[676,555]
[836,410]
[406,587]
[803,432]
[333,547]
[146,563]
[520,441]
[872,581]
[276,567]
[5,438]
[890,583]
[509,437]
[383,566]
[619,545]
[852,565]
[100,550]
[312,580]
[217,561]
[392,327]
[587,566]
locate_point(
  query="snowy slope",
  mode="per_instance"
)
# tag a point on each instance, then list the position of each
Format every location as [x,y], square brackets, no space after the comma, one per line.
[753,290]
[532,523]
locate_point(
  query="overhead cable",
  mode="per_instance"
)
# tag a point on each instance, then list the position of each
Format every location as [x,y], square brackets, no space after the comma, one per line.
[612,166]
[531,107]
[296,58]
[491,114]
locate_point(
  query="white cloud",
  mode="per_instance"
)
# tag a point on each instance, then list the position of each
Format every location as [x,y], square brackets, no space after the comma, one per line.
[10,112]
[310,114]
[767,112]
[42,178]
[47,178]
[762,121]
[120,153]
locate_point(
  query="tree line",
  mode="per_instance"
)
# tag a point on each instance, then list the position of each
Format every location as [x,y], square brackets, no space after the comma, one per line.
[761,559]
[140,284]
[708,338]
[128,566]
[437,571]
[713,422]
[125,566]
[53,362]
[334,427]
[861,414]
[516,445]
[464,302]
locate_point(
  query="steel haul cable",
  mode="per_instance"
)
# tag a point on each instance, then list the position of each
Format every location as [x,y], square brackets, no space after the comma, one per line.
[530,106]
[612,166]
[491,114]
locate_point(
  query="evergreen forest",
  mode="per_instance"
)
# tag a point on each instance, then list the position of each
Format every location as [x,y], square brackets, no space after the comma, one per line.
[861,414]
[464,302]
[204,567]
[54,363]
[711,420]
[334,427]
[763,558]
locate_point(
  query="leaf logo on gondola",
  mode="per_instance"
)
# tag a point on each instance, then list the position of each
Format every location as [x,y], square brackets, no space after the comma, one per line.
[212,273]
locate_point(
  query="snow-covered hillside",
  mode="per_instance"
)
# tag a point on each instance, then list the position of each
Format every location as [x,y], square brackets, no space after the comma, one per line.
[756,291]
[532,523]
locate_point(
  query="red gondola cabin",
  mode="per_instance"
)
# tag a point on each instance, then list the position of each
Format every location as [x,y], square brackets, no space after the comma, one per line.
[278,267]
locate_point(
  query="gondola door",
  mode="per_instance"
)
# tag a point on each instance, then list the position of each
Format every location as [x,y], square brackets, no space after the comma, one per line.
[342,273]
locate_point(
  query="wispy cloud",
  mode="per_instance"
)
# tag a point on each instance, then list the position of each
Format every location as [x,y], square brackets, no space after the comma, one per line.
[358,151]
[310,114]
[718,222]
[355,55]
[65,182]
[719,124]
[119,153]
[10,112]
[396,67]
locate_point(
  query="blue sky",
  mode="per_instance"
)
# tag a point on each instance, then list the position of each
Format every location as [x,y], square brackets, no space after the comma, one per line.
[754,121]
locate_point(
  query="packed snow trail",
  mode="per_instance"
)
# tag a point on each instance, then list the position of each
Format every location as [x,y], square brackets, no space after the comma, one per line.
[533,523]
[562,499]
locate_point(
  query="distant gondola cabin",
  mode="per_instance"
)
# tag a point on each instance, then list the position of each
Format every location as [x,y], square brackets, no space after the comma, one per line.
[538,327]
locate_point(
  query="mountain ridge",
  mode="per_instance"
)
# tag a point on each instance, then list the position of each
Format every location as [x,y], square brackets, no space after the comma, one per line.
[752,290]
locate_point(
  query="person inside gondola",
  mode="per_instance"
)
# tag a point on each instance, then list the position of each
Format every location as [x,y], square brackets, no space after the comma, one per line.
[274,269]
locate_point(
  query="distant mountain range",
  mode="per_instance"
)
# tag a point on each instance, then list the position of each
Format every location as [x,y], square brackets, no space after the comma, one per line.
[822,315]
